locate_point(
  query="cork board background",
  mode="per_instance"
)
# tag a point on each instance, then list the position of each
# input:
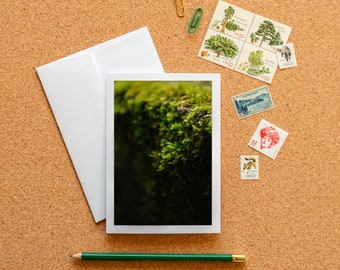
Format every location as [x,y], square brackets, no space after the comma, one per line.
[289,219]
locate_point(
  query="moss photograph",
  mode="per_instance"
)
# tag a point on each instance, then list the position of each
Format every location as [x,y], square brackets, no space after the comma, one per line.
[163,152]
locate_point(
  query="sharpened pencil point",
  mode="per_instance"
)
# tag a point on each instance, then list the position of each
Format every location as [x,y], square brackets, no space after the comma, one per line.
[76,256]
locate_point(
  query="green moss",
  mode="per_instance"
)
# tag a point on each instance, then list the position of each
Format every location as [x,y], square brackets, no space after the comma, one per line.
[167,126]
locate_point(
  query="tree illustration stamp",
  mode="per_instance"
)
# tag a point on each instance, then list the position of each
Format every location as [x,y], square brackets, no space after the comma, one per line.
[243,41]
[268,139]
[249,166]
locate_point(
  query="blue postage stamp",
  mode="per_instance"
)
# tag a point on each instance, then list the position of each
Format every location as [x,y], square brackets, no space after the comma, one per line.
[252,102]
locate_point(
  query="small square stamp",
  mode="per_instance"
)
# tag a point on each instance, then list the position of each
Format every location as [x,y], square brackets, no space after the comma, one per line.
[249,166]
[286,56]
[268,139]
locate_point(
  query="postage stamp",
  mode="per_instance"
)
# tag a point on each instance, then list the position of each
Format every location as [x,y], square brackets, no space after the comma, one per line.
[249,166]
[286,56]
[268,139]
[243,41]
[252,102]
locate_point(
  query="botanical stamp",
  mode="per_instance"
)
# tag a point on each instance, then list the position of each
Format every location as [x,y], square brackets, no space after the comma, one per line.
[243,41]
[249,166]
[252,102]
[268,139]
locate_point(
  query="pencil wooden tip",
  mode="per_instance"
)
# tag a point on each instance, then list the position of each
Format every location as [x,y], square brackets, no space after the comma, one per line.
[76,256]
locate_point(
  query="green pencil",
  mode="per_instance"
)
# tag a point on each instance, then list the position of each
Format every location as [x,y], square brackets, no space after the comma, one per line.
[159,256]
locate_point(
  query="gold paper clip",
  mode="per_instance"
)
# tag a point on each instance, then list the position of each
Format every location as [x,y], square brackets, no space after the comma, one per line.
[195,20]
[180,8]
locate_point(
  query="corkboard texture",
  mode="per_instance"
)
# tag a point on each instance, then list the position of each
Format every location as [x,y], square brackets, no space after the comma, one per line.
[288,219]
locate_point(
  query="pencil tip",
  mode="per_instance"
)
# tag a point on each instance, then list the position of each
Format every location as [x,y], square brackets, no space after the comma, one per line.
[76,256]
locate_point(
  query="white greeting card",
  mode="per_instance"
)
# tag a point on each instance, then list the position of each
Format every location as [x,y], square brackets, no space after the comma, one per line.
[163,153]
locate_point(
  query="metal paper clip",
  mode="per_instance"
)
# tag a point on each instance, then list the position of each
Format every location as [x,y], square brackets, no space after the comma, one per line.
[180,8]
[195,20]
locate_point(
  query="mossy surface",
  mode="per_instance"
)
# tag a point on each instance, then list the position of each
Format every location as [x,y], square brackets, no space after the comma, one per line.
[162,153]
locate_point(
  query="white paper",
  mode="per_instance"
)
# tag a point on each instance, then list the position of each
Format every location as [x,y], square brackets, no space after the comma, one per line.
[75,88]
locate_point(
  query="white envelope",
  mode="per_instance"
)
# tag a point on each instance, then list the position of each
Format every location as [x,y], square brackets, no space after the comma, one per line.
[75,88]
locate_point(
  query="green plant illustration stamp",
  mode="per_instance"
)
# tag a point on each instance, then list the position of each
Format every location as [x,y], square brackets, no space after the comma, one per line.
[243,41]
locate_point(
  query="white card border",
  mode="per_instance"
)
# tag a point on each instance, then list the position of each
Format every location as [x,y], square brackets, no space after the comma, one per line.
[216,169]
